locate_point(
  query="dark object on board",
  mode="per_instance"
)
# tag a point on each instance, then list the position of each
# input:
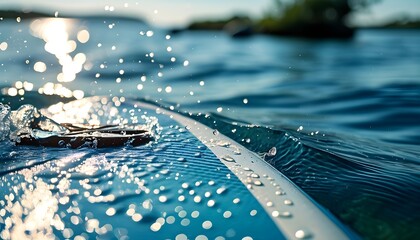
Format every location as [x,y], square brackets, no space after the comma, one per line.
[89,136]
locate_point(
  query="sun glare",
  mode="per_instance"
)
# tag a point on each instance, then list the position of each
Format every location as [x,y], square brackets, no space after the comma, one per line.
[57,34]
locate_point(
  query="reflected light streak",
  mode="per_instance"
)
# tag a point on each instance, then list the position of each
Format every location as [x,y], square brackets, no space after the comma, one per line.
[56,34]
[59,90]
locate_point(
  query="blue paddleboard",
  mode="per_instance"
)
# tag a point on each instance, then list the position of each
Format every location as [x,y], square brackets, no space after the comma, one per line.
[189,182]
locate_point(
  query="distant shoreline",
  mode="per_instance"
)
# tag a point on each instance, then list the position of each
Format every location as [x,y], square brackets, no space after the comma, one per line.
[328,31]
[13,14]
[243,26]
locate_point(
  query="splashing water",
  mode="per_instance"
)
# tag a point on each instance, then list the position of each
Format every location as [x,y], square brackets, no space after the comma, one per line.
[103,112]
[4,121]
[28,125]
[27,121]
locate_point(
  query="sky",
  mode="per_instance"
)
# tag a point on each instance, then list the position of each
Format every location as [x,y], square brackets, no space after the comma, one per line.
[181,12]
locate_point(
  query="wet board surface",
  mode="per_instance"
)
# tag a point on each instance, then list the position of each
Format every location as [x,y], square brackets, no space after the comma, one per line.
[190,183]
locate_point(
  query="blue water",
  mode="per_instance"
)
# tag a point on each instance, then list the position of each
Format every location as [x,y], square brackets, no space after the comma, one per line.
[343,114]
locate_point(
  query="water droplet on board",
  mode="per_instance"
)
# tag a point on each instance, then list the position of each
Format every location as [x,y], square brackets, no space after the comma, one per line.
[181,237]
[253,212]
[197,199]
[237,152]
[137,217]
[130,212]
[301,234]
[285,214]
[170,220]
[254,175]
[147,205]
[201,237]
[227,214]
[211,203]
[110,211]
[278,193]
[228,158]
[223,144]
[163,199]
[257,183]
[155,227]
[182,214]
[195,214]
[207,224]
[220,190]
[185,222]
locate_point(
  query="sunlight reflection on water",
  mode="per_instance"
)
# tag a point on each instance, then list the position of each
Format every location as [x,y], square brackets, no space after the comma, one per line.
[57,33]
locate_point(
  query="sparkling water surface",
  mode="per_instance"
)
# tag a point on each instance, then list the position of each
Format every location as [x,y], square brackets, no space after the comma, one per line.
[339,118]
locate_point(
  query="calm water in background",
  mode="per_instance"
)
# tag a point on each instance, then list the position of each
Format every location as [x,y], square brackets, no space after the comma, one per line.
[343,115]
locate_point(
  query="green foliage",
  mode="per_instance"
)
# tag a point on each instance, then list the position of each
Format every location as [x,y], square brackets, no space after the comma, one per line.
[299,16]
